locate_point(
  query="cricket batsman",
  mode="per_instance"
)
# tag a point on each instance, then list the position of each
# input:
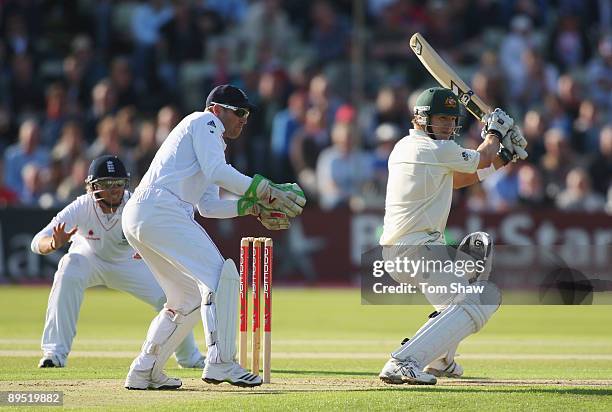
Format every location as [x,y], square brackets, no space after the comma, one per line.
[424,168]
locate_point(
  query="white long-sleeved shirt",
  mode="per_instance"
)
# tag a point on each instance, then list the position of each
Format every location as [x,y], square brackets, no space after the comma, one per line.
[420,185]
[191,164]
[98,233]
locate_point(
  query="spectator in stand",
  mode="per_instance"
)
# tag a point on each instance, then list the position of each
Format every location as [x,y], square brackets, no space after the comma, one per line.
[570,94]
[322,97]
[147,20]
[94,68]
[568,43]
[557,161]
[72,186]
[519,41]
[329,33]
[503,188]
[232,11]
[145,151]
[306,145]
[104,103]
[15,33]
[531,193]
[167,118]
[7,129]
[70,146]
[34,189]
[540,79]
[489,84]
[600,167]
[56,114]
[343,169]
[108,143]
[599,73]
[389,108]
[122,80]
[181,41]
[534,126]
[267,24]
[387,135]
[223,70]
[8,197]
[578,195]
[284,127]
[390,32]
[586,128]
[26,151]
[25,89]
[77,95]
[556,115]
[127,127]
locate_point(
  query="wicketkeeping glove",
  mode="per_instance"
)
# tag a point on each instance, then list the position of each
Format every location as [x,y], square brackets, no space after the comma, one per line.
[270,219]
[287,198]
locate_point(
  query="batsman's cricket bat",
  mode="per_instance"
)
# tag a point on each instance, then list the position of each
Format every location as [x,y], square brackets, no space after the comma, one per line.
[447,76]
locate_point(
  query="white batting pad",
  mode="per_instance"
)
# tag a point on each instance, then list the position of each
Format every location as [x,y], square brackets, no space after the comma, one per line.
[455,323]
[220,315]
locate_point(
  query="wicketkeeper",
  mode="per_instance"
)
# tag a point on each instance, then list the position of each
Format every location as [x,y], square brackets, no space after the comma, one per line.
[186,173]
[424,168]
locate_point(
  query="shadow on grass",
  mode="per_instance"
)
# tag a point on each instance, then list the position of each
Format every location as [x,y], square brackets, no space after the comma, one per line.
[420,389]
[326,373]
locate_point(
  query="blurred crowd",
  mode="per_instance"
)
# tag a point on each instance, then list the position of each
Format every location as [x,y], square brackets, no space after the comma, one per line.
[334,88]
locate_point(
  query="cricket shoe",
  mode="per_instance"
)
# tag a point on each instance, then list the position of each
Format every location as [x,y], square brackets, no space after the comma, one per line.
[50,360]
[142,380]
[230,372]
[407,371]
[199,364]
[443,369]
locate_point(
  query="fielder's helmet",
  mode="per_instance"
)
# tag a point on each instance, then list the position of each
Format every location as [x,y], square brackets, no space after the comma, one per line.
[106,167]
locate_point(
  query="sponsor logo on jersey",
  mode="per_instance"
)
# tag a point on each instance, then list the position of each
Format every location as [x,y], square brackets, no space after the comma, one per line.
[212,124]
[466,156]
[91,235]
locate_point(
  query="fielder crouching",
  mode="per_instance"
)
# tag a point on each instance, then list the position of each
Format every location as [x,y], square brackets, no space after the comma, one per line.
[424,168]
[99,255]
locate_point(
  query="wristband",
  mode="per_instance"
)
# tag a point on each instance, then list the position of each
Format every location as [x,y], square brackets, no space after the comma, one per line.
[486,172]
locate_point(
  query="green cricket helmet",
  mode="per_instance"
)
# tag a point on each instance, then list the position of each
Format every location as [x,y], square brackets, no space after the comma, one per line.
[437,100]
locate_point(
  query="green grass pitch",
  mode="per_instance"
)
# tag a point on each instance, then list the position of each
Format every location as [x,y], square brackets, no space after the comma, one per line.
[327,352]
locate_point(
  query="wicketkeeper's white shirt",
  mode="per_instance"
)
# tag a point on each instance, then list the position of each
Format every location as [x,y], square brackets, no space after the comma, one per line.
[191,164]
[420,185]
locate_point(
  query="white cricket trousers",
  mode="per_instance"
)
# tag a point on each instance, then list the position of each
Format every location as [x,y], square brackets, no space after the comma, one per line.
[179,252]
[79,271]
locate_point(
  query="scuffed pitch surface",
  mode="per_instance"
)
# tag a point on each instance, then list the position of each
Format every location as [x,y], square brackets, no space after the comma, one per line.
[329,350]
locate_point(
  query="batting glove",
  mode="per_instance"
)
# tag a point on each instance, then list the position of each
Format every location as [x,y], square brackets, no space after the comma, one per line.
[498,122]
[518,142]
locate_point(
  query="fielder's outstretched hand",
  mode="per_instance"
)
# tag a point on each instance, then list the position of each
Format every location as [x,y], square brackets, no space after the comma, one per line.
[60,236]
